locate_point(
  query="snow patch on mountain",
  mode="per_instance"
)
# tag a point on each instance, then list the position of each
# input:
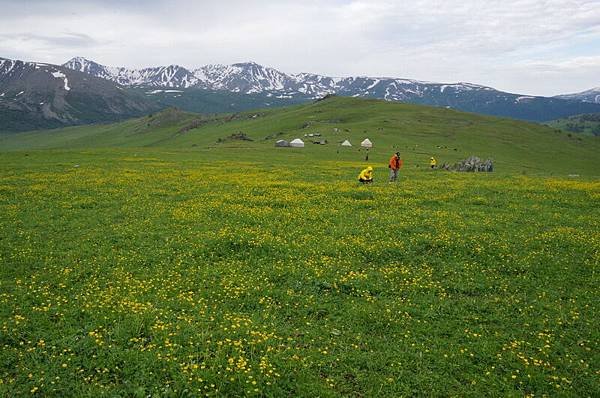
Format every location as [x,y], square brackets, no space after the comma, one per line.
[60,75]
[376,82]
[163,91]
[523,98]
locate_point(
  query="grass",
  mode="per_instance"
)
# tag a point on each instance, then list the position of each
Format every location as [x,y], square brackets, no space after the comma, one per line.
[248,270]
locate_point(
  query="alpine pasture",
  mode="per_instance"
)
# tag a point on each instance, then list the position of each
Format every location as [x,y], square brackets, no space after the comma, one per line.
[144,259]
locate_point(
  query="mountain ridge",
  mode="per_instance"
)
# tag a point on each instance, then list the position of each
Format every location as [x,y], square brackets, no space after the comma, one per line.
[215,76]
[253,78]
[592,95]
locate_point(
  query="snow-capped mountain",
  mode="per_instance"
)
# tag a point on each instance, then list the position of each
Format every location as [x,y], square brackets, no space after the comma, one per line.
[245,78]
[253,79]
[250,78]
[41,95]
[592,96]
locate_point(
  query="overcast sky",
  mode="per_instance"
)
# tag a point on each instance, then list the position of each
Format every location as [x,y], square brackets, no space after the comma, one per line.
[540,47]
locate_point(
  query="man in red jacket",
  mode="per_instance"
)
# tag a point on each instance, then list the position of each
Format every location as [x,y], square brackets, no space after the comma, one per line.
[395,165]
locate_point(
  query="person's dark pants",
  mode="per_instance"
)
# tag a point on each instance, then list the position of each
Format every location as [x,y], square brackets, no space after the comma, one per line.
[362,180]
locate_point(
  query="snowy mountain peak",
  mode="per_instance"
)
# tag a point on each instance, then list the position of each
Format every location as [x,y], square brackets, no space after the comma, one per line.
[79,60]
[81,64]
[591,95]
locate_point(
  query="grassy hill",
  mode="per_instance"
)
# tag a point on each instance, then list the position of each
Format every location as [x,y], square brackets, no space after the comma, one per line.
[417,131]
[587,124]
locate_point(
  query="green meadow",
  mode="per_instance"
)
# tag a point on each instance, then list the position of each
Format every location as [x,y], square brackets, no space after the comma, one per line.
[158,257]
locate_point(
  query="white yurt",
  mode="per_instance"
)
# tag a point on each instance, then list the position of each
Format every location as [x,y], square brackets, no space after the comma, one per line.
[297,143]
[346,143]
[366,143]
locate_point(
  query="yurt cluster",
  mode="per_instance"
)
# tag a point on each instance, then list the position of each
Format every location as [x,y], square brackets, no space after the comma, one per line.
[298,143]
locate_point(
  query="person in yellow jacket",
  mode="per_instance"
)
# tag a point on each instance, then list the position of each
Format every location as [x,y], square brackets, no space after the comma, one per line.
[432,162]
[366,176]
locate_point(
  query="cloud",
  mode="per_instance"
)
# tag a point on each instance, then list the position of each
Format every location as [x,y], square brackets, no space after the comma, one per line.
[62,40]
[501,44]
[566,65]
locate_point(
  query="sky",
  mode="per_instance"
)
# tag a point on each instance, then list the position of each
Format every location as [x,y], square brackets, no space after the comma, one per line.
[535,47]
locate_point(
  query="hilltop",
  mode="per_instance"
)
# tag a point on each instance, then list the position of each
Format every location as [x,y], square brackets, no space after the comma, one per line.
[417,131]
